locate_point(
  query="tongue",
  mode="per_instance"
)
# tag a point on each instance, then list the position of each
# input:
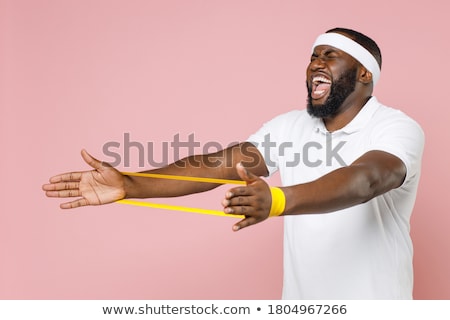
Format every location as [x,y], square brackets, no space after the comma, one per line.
[320,90]
[322,86]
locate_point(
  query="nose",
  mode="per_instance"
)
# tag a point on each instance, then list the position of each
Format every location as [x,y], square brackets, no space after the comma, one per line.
[316,63]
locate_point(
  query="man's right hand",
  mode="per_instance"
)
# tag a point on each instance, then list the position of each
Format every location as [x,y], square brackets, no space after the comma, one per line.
[102,185]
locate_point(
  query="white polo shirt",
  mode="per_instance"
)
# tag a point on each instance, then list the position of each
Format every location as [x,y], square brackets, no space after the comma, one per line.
[362,252]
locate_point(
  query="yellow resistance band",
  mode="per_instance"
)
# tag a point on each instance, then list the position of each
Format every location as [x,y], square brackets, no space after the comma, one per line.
[181,208]
[278,202]
[277,208]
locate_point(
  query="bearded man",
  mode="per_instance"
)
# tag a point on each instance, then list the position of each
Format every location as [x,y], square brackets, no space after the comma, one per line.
[349,166]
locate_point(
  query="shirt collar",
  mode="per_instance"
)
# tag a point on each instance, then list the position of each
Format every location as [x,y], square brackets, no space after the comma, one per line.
[357,123]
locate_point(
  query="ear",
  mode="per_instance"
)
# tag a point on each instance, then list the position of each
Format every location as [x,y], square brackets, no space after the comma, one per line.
[365,76]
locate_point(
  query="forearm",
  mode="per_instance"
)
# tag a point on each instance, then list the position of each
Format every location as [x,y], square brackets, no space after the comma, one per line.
[219,165]
[145,187]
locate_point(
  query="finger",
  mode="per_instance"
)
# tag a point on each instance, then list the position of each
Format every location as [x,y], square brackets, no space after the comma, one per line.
[237,201]
[244,174]
[74,204]
[241,210]
[90,160]
[61,186]
[70,176]
[244,223]
[238,191]
[63,194]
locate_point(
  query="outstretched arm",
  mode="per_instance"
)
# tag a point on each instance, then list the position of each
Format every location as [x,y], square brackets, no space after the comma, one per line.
[373,174]
[105,184]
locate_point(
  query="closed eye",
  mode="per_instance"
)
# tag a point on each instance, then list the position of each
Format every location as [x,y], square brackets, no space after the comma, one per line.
[329,53]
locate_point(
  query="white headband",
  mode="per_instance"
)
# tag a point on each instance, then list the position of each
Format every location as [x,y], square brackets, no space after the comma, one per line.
[353,48]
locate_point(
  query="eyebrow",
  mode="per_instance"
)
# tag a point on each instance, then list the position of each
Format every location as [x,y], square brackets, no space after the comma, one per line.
[327,51]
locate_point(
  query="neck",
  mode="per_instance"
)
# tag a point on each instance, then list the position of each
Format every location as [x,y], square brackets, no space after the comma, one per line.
[349,109]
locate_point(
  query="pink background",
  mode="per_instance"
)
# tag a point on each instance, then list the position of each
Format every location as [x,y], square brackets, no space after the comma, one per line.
[77,74]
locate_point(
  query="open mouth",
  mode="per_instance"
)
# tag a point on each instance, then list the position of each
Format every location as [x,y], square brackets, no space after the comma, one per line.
[320,86]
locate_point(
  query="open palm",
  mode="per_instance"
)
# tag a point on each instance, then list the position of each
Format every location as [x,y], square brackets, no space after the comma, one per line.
[102,185]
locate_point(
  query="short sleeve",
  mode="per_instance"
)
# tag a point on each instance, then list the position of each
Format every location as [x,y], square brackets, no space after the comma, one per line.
[402,137]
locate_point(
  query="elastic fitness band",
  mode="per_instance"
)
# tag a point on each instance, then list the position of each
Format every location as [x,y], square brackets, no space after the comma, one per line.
[277,207]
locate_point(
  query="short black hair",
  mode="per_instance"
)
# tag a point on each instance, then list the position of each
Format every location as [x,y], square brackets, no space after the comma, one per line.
[362,39]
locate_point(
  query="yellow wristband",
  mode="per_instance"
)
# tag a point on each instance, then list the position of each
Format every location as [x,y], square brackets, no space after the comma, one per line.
[278,202]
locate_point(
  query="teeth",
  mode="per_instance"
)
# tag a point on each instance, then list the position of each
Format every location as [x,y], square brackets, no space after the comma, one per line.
[322,79]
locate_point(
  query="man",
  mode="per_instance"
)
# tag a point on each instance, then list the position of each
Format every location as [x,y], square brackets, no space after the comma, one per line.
[350,168]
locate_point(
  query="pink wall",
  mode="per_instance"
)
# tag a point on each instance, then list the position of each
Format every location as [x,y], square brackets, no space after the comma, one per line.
[77,74]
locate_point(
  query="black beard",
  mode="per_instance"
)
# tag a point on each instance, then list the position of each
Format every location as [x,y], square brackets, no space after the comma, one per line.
[340,90]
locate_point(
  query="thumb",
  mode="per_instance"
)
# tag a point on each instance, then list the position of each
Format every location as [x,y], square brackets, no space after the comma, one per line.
[244,174]
[90,160]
